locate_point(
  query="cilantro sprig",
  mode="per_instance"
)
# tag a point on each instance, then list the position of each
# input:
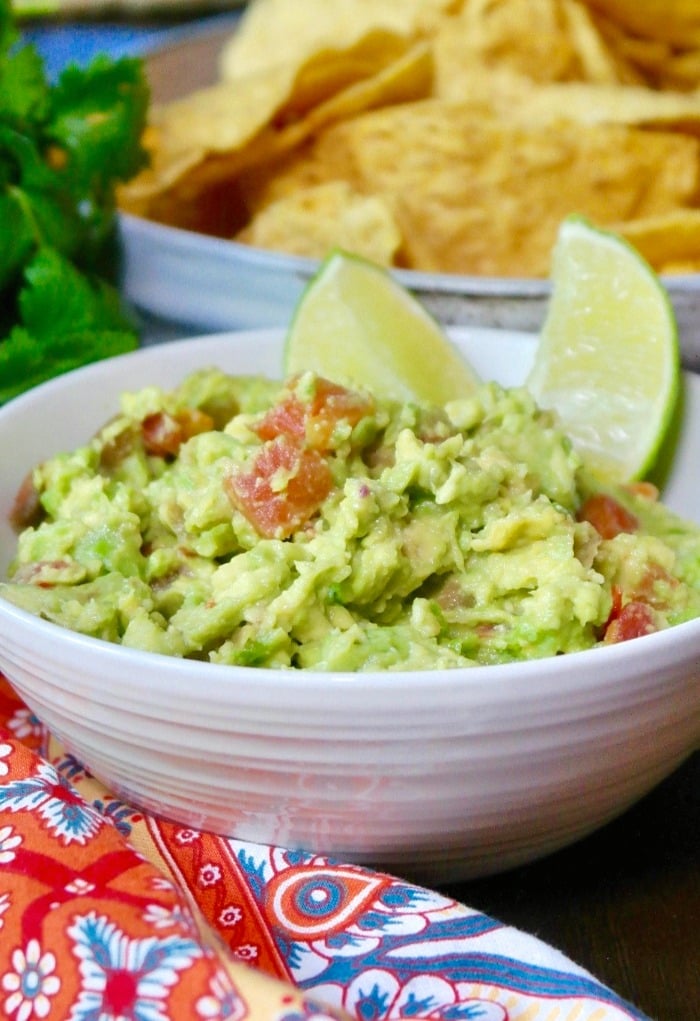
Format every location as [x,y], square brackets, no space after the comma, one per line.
[64,148]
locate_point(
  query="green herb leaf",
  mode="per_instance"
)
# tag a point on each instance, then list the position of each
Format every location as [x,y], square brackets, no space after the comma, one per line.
[58,299]
[64,148]
[35,203]
[66,321]
[24,91]
[94,114]
[18,239]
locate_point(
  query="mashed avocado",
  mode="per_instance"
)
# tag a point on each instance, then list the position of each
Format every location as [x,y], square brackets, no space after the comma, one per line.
[303,525]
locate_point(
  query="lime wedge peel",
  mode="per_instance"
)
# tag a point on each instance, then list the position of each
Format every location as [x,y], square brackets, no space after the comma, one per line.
[356,325]
[608,358]
[607,361]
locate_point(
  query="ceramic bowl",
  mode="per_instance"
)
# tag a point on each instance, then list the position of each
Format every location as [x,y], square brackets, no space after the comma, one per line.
[436,775]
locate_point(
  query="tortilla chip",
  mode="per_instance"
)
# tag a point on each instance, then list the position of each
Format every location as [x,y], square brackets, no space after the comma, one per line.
[226,116]
[407,79]
[657,63]
[472,194]
[222,117]
[312,221]
[566,45]
[214,120]
[673,21]
[514,98]
[468,128]
[331,72]
[302,29]
[670,243]
[587,103]
[600,62]
[679,71]
[209,138]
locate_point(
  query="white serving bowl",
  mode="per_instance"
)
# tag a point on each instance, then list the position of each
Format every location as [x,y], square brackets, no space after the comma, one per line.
[437,775]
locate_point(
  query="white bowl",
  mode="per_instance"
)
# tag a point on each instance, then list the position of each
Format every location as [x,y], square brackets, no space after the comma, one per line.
[437,775]
[210,283]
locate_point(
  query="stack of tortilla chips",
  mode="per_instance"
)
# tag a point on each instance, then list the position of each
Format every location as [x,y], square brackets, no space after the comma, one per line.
[440,135]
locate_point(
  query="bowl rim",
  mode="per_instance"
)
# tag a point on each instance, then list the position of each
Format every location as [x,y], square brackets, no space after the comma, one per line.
[590,662]
[228,250]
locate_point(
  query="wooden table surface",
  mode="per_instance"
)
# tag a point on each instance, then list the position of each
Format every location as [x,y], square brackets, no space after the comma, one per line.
[624,902]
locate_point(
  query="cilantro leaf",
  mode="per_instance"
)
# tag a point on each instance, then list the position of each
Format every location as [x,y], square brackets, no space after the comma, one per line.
[66,320]
[64,148]
[18,239]
[35,205]
[58,299]
[24,91]
[93,113]
[64,167]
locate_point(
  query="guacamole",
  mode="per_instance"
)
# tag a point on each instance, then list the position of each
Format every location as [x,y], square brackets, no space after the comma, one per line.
[305,525]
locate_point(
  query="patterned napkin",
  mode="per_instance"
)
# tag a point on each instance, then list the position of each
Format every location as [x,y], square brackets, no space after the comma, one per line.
[107,914]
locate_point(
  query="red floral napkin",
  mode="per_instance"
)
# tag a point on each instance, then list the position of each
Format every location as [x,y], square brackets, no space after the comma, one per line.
[107,914]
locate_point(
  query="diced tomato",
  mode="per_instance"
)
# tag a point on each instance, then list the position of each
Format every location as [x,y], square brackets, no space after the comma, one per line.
[616,607]
[633,620]
[163,434]
[314,422]
[607,515]
[288,418]
[333,404]
[284,488]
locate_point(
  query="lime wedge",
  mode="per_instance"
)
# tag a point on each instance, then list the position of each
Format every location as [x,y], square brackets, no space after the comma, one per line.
[608,358]
[355,324]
